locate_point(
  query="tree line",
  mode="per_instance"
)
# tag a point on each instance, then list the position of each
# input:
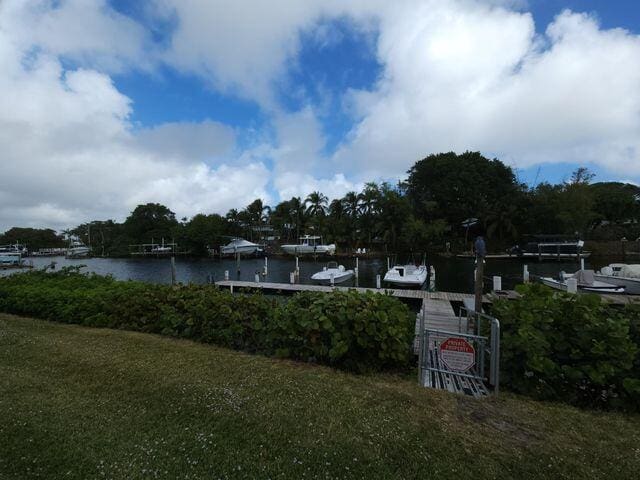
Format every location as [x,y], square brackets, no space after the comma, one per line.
[445,198]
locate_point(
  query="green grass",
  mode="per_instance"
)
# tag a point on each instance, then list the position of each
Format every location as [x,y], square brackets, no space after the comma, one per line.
[95,403]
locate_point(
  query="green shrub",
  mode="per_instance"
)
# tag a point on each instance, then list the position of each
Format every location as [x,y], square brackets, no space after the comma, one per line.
[573,348]
[343,329]
[360,331]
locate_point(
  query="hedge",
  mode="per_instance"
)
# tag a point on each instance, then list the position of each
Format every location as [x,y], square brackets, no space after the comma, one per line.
[359,332]
[572,348]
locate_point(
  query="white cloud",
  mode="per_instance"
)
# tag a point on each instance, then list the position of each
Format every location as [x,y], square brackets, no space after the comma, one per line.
[456,75]
[190,142]
[87,31]
[462,75]
[69,152]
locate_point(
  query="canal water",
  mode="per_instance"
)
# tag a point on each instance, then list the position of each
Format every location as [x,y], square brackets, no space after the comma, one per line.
[452,274]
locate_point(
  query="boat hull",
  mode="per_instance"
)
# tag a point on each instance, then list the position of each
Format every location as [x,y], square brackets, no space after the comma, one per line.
[605,288]
[244,250]
[322,278]
[631,285]
[309,250]
[78,253]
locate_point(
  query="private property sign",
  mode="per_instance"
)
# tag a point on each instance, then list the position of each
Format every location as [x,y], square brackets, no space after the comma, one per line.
[457,354]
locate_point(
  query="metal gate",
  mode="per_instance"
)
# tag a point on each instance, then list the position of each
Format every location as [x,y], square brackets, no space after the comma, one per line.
[460,362]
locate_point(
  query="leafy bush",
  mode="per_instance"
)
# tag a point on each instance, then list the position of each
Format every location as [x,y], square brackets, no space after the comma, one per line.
[573,348]
[343,329]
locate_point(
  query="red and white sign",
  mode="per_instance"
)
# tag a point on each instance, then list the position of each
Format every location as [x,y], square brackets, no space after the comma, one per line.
[457,354]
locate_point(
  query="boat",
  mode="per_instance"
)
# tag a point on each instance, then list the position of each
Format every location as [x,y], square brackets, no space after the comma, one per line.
[309,244]
[161,249]
[11,255]
[14,249]
[241,246]
[585,280]
[548,247]
[77,249]
[334,272]
[409,275]
[622,275]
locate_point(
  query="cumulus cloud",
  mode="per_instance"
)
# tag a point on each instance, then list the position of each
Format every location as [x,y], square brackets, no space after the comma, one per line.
[70,153]
[455,75]
[87,31]
[467,75]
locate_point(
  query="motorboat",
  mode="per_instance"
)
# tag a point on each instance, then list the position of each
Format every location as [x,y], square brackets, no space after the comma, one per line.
[332,273]
[310,244]
[585,280]
[14,250]
[161,249]
[622,275]
[241,246]
[10,255]
[409,275]
[77,249]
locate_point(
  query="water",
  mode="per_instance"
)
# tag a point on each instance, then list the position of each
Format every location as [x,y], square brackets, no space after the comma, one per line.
[452,274]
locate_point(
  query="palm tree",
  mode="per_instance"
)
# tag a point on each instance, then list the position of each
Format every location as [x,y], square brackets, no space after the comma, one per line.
[296,213]
[351,204]
[501,220]
[316,204]
[369,208]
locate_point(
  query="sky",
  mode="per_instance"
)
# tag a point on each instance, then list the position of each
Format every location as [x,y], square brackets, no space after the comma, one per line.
[206,105]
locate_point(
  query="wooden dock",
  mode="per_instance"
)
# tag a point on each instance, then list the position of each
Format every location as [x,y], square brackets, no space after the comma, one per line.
[299,287]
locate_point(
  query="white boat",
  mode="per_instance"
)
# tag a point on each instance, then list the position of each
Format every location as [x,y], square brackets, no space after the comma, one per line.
[10,255]
[78,249]
[241,246]
[309,244]
[332,271]
[409,275]
[161,249]
[586,282]
[622,275]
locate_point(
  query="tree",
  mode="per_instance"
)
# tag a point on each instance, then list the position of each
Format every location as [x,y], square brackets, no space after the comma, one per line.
[33,238]
[581,176]
[152,220]
[453,187]
[203,232]
[316,204]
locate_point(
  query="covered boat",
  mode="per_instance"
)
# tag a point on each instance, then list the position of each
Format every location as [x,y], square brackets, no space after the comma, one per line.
[622,275]
[241,246]
[310,244]
[332,273]
[586,282]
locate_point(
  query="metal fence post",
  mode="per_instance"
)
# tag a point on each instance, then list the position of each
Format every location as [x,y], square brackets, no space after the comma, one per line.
[421,345]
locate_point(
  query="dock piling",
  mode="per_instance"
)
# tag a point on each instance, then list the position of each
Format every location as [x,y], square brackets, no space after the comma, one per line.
[378,281]
[173,270]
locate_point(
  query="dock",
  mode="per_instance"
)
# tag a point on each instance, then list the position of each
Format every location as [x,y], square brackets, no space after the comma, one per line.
[269,287]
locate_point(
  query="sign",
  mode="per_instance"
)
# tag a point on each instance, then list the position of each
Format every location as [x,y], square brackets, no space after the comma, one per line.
[457,354]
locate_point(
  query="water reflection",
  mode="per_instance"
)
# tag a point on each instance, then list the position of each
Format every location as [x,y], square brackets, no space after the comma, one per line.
[452,274]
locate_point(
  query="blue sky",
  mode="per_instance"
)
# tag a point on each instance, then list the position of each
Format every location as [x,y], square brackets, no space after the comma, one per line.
[205,107]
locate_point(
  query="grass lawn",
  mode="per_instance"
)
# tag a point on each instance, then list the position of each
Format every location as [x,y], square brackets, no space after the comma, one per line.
[90,403]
